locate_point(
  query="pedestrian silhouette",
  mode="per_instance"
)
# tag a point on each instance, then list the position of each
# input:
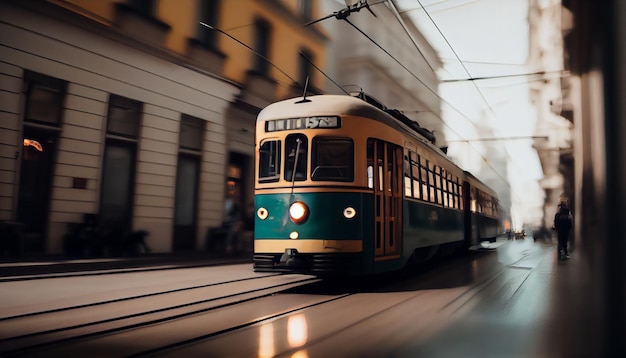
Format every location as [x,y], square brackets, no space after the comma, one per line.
[563,225]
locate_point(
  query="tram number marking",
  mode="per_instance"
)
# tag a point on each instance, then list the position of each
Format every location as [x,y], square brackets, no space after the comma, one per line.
[302,123]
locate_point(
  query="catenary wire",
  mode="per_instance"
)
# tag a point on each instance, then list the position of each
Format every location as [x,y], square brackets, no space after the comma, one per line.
[249,48]
[436,94]
[390,55]
[458,58]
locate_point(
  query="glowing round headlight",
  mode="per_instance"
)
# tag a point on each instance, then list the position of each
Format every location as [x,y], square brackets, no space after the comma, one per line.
[349,212]
[298,212]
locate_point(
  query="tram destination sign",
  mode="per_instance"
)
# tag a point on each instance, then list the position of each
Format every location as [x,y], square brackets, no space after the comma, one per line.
[286,124]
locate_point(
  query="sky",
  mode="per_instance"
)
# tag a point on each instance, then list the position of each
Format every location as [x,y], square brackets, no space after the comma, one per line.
[490,37]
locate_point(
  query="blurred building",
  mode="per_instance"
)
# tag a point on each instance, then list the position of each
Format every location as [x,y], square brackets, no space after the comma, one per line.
[385,56]
[593,98]
[554,128]
[136,112]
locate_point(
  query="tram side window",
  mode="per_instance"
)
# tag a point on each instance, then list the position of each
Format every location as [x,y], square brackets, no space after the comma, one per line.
[370,163]
[488,205]
[431,182]
[296,157]
[415,174]
[473,206]
[481,202]
[424,178]
[269,161]
[407,173]
[444,187]
[450,191]
[454,193]
[332,159]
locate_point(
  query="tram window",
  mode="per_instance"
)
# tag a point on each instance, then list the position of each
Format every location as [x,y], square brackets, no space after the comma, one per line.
[381,179]
[444,189]
[332,159]
[408,190]
[406,166]
[424,180]
[473,201]
[407,186]
[415,175]
[380,156]
[296,157]
[432,184]
[269,161]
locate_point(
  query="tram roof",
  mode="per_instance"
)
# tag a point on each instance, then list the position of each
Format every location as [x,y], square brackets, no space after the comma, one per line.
[333,105]
[319,105]
[479,183]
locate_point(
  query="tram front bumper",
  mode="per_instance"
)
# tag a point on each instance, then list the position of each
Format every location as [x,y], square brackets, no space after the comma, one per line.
[291,259]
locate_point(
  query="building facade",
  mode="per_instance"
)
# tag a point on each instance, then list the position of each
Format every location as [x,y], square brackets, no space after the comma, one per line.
[136,115]
[390,61]
[554,128]
[594,99]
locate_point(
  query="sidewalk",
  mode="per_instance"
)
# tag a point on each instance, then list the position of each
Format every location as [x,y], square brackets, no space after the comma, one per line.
[51,265]
[572,324]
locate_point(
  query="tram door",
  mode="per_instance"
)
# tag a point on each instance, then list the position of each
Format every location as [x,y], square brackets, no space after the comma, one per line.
[387,179]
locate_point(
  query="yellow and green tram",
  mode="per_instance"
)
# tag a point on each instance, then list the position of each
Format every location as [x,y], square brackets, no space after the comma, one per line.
[344,186]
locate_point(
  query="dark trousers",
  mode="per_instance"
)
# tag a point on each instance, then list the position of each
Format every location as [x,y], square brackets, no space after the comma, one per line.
[563,238]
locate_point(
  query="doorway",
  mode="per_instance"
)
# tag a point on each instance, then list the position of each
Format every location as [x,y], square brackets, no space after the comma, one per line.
[186,206]
[386,159]
[33,205]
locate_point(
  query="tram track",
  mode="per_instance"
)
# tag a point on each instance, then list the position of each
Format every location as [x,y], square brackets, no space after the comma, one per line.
[201,318]
[39,332]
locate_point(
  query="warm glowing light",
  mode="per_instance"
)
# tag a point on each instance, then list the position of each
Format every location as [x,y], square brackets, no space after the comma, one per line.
[298,212]
[262,213]
[294,235]
[266,341]
[297,330]
[300,354]
[33,143]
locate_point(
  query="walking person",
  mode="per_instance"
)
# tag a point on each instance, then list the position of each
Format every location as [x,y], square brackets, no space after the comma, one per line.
[563,225]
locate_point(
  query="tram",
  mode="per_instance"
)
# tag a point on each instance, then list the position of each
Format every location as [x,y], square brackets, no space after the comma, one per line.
[345,186]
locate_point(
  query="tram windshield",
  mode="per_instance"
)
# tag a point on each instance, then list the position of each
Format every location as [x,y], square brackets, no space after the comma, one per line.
[269,161]
[296,157]
[332,159]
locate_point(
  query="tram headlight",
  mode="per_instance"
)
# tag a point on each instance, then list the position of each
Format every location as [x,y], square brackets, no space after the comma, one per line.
[298,212]
[349,212]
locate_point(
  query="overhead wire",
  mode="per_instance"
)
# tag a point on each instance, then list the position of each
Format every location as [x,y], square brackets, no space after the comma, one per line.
[322,72]
[457,57]
[539,73]
[381,48]
[433,92]
[398,17]
[468,74]
[249,48]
